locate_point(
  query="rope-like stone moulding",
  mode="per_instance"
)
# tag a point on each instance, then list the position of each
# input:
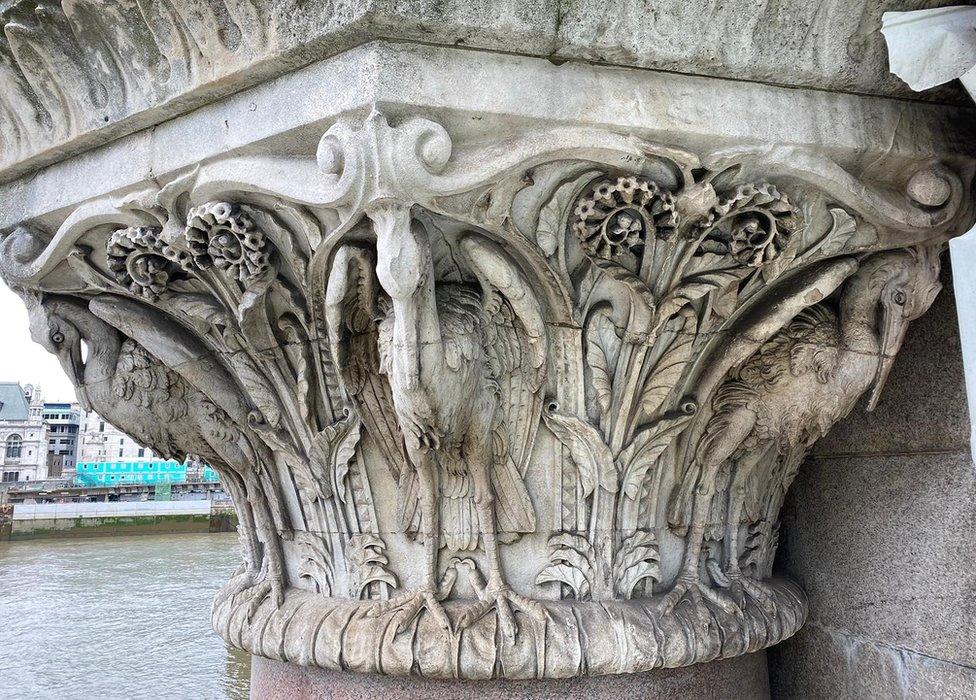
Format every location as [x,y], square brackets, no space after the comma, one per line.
[579,638]
[520,409]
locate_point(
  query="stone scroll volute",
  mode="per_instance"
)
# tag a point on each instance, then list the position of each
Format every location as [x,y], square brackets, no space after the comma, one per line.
[522,409]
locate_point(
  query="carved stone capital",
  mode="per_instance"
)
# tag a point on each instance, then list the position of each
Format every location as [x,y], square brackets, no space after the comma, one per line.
[517,402]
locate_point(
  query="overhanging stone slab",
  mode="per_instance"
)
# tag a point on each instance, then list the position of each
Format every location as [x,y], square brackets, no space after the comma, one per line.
[864,134]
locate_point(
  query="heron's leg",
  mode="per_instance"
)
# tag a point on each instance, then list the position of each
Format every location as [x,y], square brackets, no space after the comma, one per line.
[739,583]
[430,515]
[273,560]
[497,594]
[718,443]
[725,573]
[408,605]
[248,529]
[251,566]
[733,519]
[484,501]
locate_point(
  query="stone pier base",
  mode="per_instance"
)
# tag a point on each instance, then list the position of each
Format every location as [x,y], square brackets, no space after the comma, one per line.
[743,678]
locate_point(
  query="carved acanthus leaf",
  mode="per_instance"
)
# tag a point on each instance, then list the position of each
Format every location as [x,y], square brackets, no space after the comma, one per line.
[643,452]
[551,227]
[704,275]
[602,348]
[316,563]
[586,447]
[671,364]
[637,559]
[367,553]
[570,563]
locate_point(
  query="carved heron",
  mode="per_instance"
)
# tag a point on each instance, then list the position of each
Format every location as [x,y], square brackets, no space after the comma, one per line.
[784,398]
[131,388]
[449,383]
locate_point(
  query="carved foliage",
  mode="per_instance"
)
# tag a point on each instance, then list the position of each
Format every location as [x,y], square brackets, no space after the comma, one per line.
[658,353]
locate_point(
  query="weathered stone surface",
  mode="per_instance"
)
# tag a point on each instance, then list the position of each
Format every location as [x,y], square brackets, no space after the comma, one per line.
[877,543]
[508,379]
[84,73]
[870,139]
[743,677]
[824,664]
[830,45]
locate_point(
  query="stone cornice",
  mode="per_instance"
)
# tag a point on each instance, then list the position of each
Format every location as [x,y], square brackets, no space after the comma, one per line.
[866,135]
[76,75]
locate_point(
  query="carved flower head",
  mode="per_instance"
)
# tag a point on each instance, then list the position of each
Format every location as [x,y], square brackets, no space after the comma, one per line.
[222,235]
[614,218]
[752,243]
[137,259]
[753,225]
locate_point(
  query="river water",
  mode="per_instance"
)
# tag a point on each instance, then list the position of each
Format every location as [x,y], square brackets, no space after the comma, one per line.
[116,617]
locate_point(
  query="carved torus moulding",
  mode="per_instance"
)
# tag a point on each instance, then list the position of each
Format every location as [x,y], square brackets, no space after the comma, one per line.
[528,408]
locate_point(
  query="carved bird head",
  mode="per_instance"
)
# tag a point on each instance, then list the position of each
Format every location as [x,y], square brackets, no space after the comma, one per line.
[66,328]
[402,251]
[911,287]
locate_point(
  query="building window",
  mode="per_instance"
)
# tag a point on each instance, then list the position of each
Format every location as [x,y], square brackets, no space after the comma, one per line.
[13,446]
[101,427]
[142,452]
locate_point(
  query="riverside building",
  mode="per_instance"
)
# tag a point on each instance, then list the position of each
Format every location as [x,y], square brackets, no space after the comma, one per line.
[23,433]
[63,422]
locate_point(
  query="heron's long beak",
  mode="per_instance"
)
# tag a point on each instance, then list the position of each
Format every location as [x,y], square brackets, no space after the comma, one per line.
[82,392]
[74,366]
[892,335]
[402,252]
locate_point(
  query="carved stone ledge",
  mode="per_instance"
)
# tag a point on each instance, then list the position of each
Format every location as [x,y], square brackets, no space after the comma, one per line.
[496,403]
[626,636]
[80,74]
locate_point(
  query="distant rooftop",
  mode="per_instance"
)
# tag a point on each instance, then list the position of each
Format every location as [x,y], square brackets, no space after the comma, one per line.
[13,406]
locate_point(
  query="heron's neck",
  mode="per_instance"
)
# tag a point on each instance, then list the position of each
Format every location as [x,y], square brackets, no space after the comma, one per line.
[859,312]
[417,330]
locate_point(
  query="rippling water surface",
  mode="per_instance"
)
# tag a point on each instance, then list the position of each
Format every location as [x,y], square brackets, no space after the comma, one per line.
[116,617]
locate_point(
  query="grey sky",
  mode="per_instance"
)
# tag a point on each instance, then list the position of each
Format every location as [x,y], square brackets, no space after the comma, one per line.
[22,360]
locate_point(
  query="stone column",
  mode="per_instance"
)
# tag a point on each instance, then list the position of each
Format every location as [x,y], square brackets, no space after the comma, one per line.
[877,527]
[508,363]
[878,530]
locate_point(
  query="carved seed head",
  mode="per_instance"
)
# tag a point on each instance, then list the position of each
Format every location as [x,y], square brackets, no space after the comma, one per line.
[752,225]
[137,259]
[614,218]
[222,235]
